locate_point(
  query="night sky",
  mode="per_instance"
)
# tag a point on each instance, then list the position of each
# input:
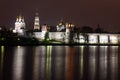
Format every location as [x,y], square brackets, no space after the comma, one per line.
[80,12]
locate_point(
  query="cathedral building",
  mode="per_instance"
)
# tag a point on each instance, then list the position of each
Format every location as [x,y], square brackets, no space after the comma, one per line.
[19,25]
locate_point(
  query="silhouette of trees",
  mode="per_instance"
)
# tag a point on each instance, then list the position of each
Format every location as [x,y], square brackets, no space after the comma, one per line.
[86,29]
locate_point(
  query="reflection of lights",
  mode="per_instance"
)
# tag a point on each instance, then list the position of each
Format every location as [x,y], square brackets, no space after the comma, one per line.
[36,63]
[18,63]
[81,61]
[42,62]
[103,39]
[93,39]
[48,62]
[2,56]
[70,64]
[103,62]
[92,62]
[113,62]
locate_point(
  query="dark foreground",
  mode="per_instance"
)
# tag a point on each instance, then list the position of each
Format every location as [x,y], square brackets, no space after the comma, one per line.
[60,62]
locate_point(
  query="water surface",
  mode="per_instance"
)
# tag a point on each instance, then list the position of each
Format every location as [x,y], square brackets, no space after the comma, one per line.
[60,63]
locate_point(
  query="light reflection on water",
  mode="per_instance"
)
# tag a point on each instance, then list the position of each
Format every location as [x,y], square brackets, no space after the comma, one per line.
[113,62]
[1,60]
[92,62]
[18,63]
[59,63]
[103,62]
[81,61]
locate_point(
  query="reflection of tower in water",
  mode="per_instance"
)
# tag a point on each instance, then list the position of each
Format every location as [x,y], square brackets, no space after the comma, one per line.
[18,63]
[58,63]
[36,66]
[39,63]
[70,63]
[48,63]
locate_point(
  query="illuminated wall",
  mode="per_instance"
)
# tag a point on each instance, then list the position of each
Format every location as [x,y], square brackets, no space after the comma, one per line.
[103,38]
[57,36]
[93,38]
[37,35]
[114,38]
[81,39]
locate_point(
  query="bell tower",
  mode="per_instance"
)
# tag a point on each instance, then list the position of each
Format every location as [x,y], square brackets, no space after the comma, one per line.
[37,22]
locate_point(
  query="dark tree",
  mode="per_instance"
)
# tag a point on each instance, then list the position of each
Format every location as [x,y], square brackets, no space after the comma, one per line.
[86,29]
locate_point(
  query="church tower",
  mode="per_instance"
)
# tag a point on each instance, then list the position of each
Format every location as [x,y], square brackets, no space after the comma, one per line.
[36,22]
[60,26]
[19,25]
[69,32]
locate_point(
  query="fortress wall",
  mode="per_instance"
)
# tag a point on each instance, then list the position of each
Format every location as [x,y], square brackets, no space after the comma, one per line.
[91,38]
[60,36]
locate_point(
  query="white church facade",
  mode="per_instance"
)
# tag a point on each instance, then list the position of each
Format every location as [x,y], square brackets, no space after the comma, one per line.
[19,25]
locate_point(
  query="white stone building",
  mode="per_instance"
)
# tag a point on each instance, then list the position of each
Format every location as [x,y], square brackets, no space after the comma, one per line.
[19,25]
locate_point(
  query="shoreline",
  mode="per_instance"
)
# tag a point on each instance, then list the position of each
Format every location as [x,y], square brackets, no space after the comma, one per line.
[76,44]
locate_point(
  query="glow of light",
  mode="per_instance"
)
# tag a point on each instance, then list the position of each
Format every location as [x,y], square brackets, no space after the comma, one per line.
[2,38]
[113,39]
[103,39]
[93,39]
[82,39]
[18,39]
